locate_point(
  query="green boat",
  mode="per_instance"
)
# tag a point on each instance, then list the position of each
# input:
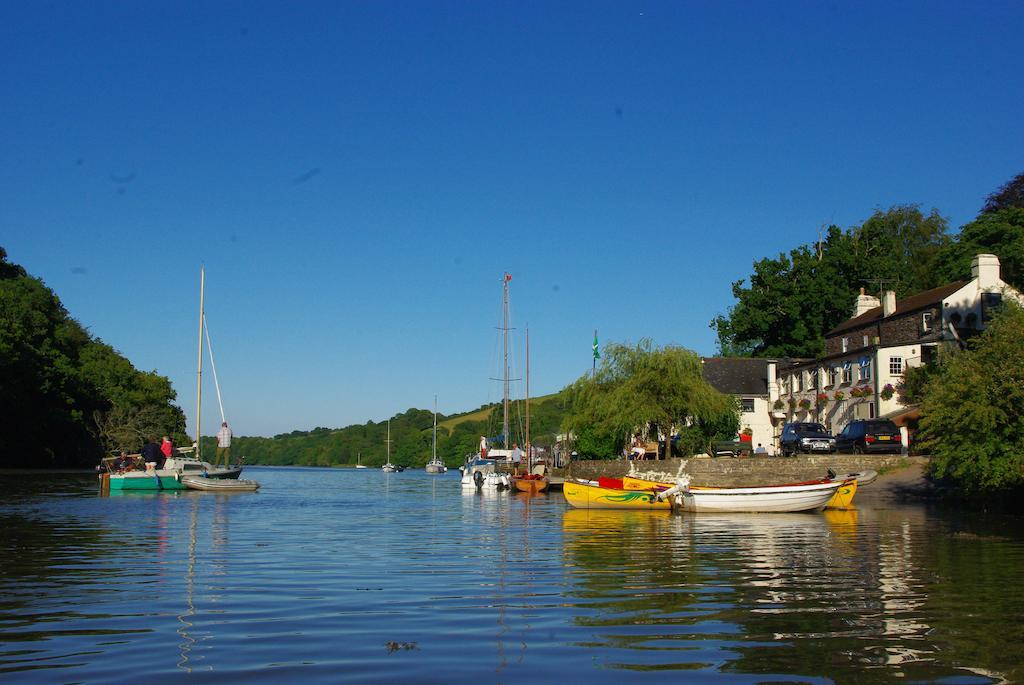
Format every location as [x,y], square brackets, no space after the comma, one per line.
[154,481]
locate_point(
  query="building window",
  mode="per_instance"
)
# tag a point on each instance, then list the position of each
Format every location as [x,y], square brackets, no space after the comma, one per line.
[748,405]
[895,366]
[800,381]
[833,373]
[864,370]
[990,302]
[846,344]
[847,372]
[926,322]
[871,410]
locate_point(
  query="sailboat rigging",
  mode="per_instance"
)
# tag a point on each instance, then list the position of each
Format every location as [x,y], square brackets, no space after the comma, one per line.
[388,467]
[435,465]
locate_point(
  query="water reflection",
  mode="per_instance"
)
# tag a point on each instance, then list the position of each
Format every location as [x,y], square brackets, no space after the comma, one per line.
[764,595]
[314,577]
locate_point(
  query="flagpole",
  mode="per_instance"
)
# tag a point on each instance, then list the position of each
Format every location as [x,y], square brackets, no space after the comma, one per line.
[593,371]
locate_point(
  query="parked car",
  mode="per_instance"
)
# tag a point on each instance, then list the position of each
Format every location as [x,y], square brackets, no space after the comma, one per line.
[873,436]
[805,437]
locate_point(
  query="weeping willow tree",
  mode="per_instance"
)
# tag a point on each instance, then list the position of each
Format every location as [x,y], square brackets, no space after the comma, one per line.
[647,389]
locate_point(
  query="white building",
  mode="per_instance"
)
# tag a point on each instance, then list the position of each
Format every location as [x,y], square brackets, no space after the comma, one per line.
[866,356]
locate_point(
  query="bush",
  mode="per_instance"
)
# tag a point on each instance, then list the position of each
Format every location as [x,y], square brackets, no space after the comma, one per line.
[973,410]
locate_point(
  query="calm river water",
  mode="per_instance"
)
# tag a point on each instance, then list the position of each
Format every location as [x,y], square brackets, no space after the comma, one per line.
[340,576]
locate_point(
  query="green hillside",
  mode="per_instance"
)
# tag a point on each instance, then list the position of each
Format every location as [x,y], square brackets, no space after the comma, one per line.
[457,436]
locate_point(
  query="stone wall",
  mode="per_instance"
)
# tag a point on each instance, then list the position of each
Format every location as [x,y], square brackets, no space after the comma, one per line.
[739,472]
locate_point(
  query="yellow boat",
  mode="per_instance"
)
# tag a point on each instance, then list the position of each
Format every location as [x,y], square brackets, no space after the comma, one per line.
[591,495]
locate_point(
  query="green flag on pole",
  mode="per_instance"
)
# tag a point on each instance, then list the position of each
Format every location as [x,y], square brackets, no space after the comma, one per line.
[597,354]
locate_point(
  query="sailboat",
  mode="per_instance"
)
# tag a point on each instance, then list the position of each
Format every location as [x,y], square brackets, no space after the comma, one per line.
[183,462]
[534,480]
[359,456]
[388,467]
[481,471]
[435,465]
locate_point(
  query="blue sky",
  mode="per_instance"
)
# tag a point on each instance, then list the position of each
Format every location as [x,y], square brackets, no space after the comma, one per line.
[356,177]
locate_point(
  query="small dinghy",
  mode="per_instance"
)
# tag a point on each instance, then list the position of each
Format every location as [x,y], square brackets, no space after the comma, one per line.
[219,484]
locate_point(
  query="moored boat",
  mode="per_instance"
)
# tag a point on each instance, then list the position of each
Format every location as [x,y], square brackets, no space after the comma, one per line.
[632,493]
[842,499]
[219,484]
[608,493]
[435,465]
[532,483]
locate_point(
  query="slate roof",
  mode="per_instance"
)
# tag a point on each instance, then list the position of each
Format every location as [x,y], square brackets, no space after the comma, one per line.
[736,375]
[907,304]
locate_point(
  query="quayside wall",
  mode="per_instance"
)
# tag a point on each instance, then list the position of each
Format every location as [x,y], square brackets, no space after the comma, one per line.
[739,471]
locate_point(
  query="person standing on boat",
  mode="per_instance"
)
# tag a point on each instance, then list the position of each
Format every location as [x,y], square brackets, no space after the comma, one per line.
[166,448]
[483,447]
[151,454]
[223,444]
[517,457]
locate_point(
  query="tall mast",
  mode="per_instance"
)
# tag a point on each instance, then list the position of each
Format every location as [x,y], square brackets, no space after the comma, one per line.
[434,450]
[504,330]
[529,462]
[389,441]
[199,375]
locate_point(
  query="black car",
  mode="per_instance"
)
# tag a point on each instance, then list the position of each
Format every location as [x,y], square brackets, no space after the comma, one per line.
[870,436]
[806,437]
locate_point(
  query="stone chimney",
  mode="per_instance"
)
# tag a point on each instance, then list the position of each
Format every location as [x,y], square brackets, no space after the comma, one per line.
[888,303]
[985,268]
[865,303]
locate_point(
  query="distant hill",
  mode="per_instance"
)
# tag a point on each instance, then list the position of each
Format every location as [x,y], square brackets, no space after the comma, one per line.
[457,436]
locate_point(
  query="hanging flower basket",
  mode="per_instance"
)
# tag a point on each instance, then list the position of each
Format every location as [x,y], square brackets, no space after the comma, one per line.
[792,402]
[839,396]
[821,399]
[856,392]
[866,391]
[805,404]
[779,404]
[887,392]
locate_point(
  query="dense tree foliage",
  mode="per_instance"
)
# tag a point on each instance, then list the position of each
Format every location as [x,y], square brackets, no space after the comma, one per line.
[793,300]
[640,389]
[1000,233]
[66,397]
[973,409]
[1009,196]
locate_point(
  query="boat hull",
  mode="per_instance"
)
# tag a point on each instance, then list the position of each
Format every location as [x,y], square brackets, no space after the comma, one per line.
[142,481]
[587,496]
[530,485]
[435,468]
[770,499]
[219,484]
[793,497]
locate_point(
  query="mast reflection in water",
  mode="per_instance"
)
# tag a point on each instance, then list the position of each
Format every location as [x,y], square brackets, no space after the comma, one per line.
[335,575]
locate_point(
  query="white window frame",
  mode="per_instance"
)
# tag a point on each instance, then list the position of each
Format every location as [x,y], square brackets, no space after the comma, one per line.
[864,371]
[927,322]
[846,344]
[744,405]
[895,366]
[848,374]
[833,376]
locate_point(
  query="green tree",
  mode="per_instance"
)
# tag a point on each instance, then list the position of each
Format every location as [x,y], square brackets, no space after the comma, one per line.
[65,396]
[1001,233]
[1011,194]
[791,301]
[973,410]
[639,387]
